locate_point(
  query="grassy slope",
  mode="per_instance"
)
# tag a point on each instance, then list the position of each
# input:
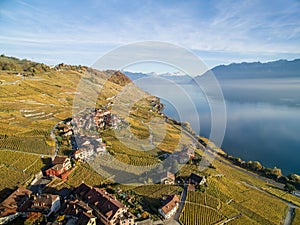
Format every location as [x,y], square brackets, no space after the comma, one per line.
[296,219]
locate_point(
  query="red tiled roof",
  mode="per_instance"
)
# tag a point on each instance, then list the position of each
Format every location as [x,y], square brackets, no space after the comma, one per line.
[169,204]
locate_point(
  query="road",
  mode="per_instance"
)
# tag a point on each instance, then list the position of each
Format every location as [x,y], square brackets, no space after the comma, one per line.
[289,216]
[175,219]
[181,203]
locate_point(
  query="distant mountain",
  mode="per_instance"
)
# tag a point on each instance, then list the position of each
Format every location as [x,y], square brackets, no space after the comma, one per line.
[175,77]
[135,76]
[275,69]
[245,70]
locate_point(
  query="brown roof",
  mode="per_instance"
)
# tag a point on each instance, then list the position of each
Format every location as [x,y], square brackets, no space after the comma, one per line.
[82,189]
[84,218]
[74,208]
[104,202]
[44,201]
[169,204]
[14,202]
[59,160]
[57,167]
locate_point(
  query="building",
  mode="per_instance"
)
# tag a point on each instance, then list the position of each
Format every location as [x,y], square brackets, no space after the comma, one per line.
[167,178]
[60,167]
[78,212]
[14,205]
[196,180]
[45,203]
[86,219]
[107,208]
[62,160]
[169,206]
[78,155]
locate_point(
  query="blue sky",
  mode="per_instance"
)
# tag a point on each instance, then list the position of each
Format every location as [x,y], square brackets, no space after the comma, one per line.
[219,32]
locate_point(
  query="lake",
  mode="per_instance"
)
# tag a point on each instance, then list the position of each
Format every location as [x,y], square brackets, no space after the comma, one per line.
[263,117]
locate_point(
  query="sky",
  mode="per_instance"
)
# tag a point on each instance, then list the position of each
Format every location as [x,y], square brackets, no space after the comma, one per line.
[218,32]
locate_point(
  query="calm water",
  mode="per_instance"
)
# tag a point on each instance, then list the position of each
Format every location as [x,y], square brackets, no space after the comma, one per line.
[263,117]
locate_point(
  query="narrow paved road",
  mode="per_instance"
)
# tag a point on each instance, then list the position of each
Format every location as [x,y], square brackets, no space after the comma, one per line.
[289,216]
[181,203]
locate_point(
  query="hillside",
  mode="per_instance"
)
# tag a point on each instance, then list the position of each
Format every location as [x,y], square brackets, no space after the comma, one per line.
[31,106]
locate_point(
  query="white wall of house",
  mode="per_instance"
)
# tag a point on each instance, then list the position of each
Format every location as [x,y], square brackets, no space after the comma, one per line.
[169,214]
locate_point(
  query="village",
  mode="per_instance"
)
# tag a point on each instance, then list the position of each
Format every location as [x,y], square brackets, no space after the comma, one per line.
[87,205]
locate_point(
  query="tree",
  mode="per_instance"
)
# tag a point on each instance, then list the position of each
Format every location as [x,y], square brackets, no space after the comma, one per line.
[256,166]
[249,164]
[276,172]
[294,178]
[59,139]
[289,188]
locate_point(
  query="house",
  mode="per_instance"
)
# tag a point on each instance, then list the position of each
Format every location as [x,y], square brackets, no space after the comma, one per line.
[55,170]
[169,206]
[78,155]
[64,161]
[86,219]
[167,178]
[80,212]
[196,180]
[45,203]
[107,208]
[60,167]
[87,152]
[14,205]
[101,148]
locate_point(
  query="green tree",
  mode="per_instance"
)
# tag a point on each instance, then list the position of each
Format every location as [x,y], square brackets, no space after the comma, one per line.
[276,172]
[294,178]
[289,188]
[257,165]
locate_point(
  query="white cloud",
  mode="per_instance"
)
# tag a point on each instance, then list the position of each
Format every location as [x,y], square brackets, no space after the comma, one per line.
[247,27]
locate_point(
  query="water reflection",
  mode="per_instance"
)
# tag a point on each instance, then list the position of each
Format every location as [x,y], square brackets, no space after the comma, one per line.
[263,117]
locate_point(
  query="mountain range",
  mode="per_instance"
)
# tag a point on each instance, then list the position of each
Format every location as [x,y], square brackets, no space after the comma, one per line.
[245,70]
